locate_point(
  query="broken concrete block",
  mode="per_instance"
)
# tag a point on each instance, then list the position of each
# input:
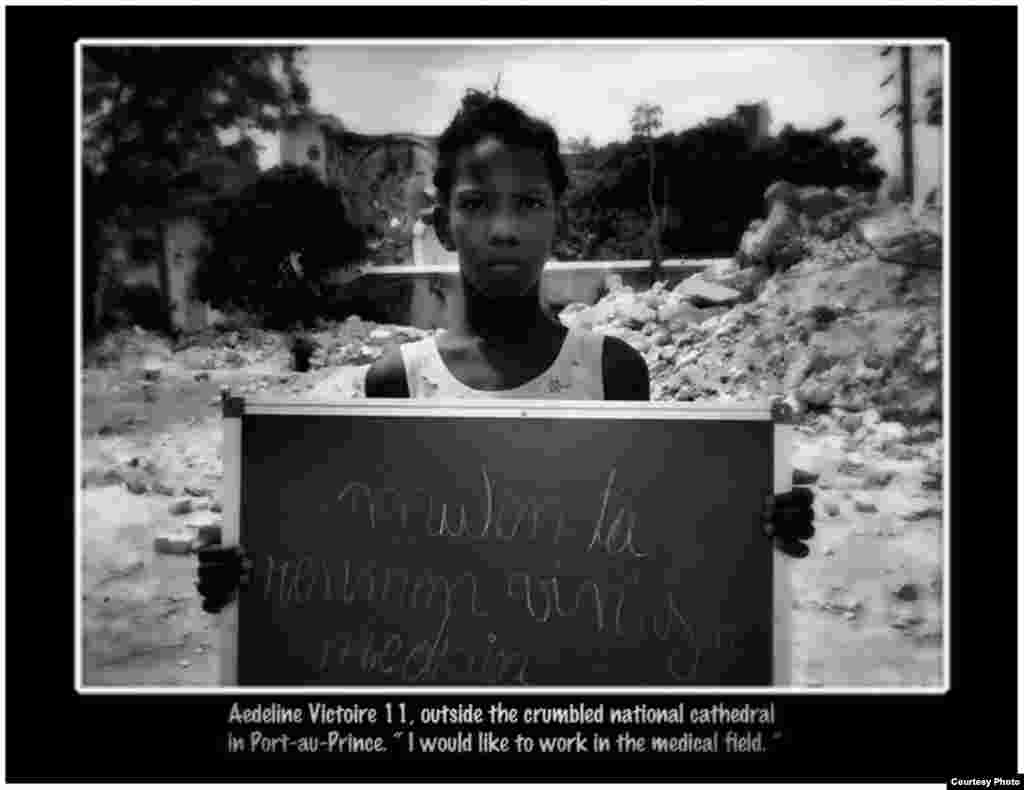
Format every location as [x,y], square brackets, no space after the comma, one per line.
[704,294]
[181,508]
[178,542]
[137,486]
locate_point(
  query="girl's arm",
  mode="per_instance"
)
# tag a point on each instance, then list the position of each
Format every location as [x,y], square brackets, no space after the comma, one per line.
[386,377]
[624,371]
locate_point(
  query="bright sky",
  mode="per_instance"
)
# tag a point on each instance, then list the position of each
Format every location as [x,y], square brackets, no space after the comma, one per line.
[590,88]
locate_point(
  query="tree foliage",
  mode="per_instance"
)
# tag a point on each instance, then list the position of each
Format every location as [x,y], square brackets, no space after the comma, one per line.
[712,180]
[152,115]
[288,212]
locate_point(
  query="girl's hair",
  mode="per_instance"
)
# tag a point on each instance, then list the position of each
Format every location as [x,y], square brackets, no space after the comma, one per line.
[484,116]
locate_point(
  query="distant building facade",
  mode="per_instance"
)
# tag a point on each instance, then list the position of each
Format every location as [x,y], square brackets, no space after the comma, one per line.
[383,177]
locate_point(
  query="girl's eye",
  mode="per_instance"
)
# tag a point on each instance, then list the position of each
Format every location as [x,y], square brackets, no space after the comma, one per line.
[471,204]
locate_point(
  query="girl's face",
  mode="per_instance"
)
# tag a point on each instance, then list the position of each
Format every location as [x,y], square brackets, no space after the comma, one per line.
[502,217]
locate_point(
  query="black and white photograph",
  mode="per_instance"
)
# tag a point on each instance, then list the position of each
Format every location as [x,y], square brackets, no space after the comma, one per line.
[332,293]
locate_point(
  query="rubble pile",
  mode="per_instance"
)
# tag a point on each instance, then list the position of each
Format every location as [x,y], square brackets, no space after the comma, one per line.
[357,342]
[837,333]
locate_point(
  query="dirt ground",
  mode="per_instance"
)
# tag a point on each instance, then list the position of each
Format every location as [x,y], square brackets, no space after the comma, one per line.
[867,605]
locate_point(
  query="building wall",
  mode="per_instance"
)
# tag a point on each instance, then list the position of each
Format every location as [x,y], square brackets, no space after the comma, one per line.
[182,243]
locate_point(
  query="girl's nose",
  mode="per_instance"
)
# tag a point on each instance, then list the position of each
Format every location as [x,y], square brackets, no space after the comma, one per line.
[503,230]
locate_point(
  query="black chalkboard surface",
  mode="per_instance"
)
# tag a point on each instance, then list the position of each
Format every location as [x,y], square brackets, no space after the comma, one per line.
[419,547]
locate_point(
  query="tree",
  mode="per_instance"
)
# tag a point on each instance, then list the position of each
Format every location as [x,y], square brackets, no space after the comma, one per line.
[275,246]
[712,181]
[645,122]
[152,114]
[904,108]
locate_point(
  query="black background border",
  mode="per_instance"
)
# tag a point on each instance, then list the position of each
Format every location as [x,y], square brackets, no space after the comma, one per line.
[54,734]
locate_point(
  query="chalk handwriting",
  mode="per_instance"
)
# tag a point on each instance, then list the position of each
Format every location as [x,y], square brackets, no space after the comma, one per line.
[430,660]
[298,582]
[503,517]
[618,529]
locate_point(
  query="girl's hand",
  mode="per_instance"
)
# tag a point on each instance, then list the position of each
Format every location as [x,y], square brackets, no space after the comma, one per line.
[223,572]
[788,519]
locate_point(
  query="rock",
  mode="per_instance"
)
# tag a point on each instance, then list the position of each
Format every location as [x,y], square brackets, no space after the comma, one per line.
[198,491]
[832,509]
[816,202]
[677,315]
[163,489]
[636,314]
[761,242]
[704,294]
[381,335]
[924,513]
[181,507]
[851,423]
[613,283]
[864,506]
[137,486]
[901,452]
[807,362]
[176,542]
[816,393]
[640,343]
[898,237]
[720,270]
[878,479]
[203,520]
[203,375]
[661,337]
[803,478]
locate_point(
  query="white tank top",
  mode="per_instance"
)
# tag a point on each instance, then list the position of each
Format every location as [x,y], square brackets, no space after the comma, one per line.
[574,375]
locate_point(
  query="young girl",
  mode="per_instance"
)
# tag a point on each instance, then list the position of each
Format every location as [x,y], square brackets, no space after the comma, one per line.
[499,180]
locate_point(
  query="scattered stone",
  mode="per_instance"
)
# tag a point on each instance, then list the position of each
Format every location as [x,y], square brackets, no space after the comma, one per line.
[701,293]
[178,542]
[804,478]
[851,423]
[878,479]
[907,592]
[198,491]
[164,490]
[832,509]
[203,375]
[862,505]
[137,486]
[181,508]
[898,237]
[924,513]
[817,394]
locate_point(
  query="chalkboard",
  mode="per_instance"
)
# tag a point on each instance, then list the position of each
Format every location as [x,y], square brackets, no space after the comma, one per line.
[499,547]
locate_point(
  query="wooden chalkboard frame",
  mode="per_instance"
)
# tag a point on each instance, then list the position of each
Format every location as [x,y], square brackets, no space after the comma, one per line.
[234,410]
